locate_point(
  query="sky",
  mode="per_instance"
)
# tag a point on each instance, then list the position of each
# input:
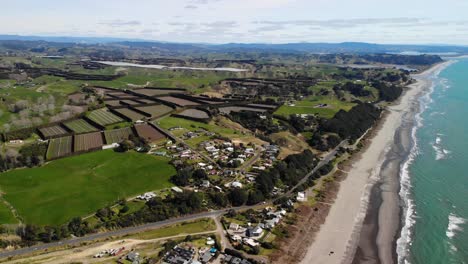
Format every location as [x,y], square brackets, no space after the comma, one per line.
[243,21]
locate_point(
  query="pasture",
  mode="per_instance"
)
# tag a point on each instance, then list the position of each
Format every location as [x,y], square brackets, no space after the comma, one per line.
[79,185]
[6,216]
[310,106]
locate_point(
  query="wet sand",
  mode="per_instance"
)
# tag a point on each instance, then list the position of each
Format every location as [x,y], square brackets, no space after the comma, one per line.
[364,220]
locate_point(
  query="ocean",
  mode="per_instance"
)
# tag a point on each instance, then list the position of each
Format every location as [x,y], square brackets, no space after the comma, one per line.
[435,176]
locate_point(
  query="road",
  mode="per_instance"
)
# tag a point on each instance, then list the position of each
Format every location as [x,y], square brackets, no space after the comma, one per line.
[249,163]
[141,228]
[324,161]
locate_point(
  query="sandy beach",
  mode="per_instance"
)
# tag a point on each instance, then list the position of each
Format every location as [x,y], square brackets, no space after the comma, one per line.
[369,190]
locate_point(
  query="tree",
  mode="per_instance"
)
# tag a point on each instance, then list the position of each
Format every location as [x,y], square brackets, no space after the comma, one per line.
[238,197]
[220,199]
[200,174]
[125,146]
[255,197]
[182,178]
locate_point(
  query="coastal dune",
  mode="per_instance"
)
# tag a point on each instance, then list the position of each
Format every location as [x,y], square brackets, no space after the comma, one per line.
[349,229]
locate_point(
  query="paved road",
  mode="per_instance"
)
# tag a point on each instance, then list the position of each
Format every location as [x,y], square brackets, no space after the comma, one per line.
[120,232]
[137,229]
[324,161]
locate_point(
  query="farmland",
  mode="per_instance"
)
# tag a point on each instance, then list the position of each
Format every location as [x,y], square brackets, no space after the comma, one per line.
[130,114]
[79,185]
[112,103]
[229,109]
[148,132]
[85,142]
[117,135]
[155,110]
[130,102]
[155,92]
[80,126]
[59,147]
[194,113]
[52,131]
[103,117]
[177,101]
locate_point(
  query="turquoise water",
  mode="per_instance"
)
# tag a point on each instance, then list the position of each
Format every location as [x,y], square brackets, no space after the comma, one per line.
[438,173]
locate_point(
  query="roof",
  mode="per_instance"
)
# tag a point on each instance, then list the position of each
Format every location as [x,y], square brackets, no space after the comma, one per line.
[206,257]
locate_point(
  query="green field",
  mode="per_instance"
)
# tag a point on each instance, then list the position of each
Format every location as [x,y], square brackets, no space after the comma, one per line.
[79,185]
[308,106]
[6,216]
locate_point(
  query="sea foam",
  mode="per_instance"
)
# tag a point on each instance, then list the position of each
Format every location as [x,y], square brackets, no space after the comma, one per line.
[454,225]
[408,207]
[441,153]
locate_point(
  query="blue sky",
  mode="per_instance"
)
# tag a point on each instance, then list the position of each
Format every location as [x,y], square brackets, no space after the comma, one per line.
[223,21]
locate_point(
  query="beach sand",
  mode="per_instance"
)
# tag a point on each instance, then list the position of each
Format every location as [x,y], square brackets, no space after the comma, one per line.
[340,237]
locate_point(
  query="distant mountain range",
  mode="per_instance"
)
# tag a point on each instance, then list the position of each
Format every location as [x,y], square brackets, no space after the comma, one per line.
[345,47]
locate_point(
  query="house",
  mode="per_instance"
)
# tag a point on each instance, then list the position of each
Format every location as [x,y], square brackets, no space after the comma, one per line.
[236,184]
[133,256]
[301,197]
[211,149]
[160,153]
[205,258]
[236,238]
[254,231]
[177,189]
[269,224]
[233,227]
[249,151]
[205,184]
[179,255]
[250,242]
[146,196]
[210,241]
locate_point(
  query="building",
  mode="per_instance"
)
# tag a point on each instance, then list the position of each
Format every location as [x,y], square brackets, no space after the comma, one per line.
[301,197]
[133,256]
[177,189]
[236,184]
[179,255]
[206,257]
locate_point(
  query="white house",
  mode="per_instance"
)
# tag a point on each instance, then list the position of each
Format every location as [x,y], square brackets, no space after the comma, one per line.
[301,197]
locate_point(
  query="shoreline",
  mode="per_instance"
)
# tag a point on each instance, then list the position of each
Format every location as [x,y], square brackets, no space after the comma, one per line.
[353,219]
